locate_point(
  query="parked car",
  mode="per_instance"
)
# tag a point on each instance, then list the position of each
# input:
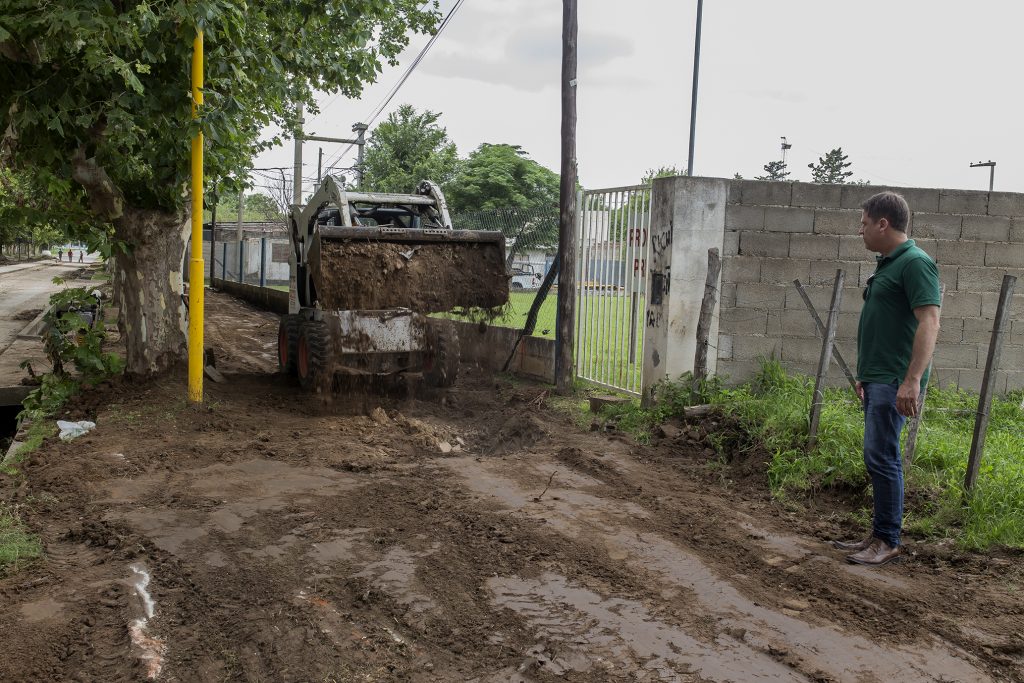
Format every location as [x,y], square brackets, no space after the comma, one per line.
[523,276]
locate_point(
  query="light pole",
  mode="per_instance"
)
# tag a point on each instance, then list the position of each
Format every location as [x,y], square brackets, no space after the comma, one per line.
[991,171]
[693,99]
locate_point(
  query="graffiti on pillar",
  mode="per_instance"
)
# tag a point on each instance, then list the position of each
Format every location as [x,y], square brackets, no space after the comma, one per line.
[654,318]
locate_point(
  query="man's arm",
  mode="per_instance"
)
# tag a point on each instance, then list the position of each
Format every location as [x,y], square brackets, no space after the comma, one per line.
[921,356]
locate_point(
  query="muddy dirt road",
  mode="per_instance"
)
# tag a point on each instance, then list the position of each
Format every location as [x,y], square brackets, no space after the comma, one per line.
[273,537]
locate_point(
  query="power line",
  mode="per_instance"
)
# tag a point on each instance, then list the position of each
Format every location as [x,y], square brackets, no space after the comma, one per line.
[405,76]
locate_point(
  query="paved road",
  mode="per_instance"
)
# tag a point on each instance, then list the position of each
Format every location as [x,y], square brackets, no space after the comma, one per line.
[23,288]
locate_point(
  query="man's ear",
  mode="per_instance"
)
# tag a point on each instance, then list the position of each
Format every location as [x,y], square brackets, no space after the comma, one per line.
[883,224]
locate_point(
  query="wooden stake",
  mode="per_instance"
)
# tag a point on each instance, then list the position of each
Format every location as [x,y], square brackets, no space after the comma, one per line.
[823,360]
[821,331]
[915,422]
[995,349]
[707,307]
[566,326]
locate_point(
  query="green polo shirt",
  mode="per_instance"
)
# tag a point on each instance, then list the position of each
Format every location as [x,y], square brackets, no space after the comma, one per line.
[904,280]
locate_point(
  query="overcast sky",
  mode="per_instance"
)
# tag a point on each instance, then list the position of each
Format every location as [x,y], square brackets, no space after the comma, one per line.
[912,90]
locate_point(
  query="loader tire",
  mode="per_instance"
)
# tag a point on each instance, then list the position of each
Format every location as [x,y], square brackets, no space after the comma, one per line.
[313,355]
[288,343]
[441,364]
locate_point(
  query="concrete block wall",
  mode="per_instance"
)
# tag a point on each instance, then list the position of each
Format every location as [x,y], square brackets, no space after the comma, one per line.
[776,232]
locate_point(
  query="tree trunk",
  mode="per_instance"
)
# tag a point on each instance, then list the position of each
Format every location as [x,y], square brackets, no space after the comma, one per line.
[148,288]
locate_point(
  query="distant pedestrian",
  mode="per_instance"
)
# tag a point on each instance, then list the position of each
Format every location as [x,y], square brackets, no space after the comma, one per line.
[80,255]
[60,254]
[895,340]
[71,255]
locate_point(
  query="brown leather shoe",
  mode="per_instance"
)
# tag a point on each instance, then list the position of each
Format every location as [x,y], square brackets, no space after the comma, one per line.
[876,554]
[852,546]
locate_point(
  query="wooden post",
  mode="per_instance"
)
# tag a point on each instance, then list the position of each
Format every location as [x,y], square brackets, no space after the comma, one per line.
[565,328]
[707,307]
[914,424]
[823,360]
[995,349]
[821,331]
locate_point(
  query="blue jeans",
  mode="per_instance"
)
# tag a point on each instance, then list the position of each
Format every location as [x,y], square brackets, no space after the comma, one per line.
[883,460]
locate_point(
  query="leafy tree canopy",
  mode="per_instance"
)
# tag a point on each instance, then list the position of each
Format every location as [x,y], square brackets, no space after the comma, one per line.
[831,168]
[660,172]
[409,147]
[774,170]
[502,176]
[99,91]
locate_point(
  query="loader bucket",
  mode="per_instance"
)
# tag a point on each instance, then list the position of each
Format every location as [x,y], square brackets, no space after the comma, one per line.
[428,271]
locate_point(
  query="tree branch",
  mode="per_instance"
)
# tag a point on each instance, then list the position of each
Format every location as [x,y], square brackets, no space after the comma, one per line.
[105,199]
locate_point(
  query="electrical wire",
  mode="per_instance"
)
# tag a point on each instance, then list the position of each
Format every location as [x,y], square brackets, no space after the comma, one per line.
[405,76]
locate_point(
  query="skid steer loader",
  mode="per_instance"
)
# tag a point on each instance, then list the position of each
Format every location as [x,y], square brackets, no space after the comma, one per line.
[366,269]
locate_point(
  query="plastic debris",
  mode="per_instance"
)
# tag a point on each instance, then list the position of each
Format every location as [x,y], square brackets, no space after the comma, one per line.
[73,430]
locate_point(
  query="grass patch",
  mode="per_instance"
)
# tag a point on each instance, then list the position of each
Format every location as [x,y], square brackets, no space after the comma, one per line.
[16,544]
[774,408]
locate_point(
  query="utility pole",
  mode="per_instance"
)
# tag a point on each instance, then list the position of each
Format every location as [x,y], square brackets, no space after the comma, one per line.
[785,146]
[991,171]
[319,167]
[564,370]
[360,130]
[297,176]
[693,100]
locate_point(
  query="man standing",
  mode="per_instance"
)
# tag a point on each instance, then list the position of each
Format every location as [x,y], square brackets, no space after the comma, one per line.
[895,340]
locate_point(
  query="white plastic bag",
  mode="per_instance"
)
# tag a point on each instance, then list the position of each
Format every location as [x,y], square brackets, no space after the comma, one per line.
[73,430]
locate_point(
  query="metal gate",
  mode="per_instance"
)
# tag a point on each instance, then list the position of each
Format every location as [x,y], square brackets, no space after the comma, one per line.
[613,248]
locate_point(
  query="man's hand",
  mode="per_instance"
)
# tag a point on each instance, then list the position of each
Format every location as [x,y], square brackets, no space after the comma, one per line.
[859,388]
[906,398]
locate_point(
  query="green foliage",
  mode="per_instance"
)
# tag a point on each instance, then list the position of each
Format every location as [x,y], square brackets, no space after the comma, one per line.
[624,217]
[501,177]
[831,168]
[258,207]
[409,147]
[72,339]
[105,85]
[774,170]
[26,214]
[16,544]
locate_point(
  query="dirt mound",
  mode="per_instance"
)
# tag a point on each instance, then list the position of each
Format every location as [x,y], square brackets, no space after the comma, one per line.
[428,278]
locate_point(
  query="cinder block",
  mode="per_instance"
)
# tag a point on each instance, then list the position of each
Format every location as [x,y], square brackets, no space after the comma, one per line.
[728,295]
[990,304]
[937,225]
[951,330]
[1017,231]
[948,277]
[802,351]
[784,271]
[956,355]
[978,330]
[853,300]
[986,228]
[920,198]
[836,221]
[743,321]
[1017,333]
[724,347]
[1014,380]
[741,269]
[973,279]
[771,244]
[970,379]
[749,347]
[821,298]
[739,217]
[961,304]
[944,377]
[963,201]
[1006,204]
[792,323]
[762,296]
[814,247]
[855,195]
[788,219]
[735,191]
[735,373]
[848,323]
[730,243]
[766,192]
[1004,255]
[824,272]
[866,271]
[1011,358]
[816,195]
[960,253]
[929,247]
[851,248]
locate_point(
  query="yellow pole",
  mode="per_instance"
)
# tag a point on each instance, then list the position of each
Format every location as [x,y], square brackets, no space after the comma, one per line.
[197,271]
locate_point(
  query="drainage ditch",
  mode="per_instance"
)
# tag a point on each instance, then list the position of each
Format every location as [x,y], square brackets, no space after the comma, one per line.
[8,425]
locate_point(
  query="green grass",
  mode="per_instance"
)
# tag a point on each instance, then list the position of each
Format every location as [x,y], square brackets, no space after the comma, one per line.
[773,409]
[16,544]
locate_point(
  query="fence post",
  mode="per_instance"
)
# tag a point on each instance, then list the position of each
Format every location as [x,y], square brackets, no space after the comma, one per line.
[224,262]
[910,446]
[995,349]
[263,262]
[821,330]
[241,260]
[823,360]
[707,307]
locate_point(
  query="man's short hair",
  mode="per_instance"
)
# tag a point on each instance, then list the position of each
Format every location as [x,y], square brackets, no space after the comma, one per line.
[890,206]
